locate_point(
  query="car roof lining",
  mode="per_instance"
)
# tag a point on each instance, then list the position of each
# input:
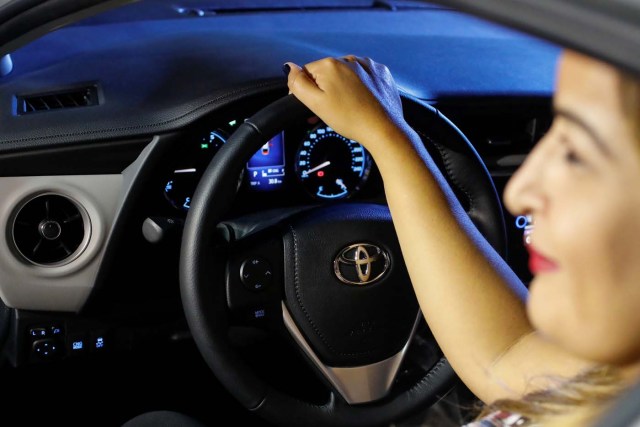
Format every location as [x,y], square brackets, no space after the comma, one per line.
[607,30]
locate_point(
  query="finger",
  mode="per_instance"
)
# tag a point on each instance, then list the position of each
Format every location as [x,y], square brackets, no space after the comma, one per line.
[377,67]
[301,84]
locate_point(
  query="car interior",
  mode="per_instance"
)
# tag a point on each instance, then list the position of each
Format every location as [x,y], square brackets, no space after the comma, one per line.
[173,219]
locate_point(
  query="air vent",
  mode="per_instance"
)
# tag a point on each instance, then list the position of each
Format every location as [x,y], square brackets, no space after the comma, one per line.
[50,230]
[72,98]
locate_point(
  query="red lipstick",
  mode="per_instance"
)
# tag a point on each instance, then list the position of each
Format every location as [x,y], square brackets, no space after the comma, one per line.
[538,263]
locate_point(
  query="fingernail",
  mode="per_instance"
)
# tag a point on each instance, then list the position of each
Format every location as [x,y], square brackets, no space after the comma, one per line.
[285,69]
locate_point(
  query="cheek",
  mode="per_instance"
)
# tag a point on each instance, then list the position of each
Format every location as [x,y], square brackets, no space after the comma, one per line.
[591,305]
[609,254]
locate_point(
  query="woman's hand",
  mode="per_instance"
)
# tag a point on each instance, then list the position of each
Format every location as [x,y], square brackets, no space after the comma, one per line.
[356,96]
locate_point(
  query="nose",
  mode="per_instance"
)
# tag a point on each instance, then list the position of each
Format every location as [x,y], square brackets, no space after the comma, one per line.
[523,193]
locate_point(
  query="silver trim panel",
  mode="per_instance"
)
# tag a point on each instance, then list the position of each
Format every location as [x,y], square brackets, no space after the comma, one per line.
[358,384]
[63,287]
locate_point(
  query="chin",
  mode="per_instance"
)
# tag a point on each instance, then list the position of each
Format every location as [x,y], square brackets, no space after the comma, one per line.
[544,309]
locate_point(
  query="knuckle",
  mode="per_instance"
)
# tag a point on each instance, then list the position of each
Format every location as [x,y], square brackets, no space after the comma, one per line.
[333,62]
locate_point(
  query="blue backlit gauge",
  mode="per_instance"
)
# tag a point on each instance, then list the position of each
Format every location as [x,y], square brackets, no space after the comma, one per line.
[188,169]
[331,166]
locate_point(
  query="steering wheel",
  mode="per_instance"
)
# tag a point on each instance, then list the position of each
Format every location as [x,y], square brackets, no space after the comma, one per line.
[330,279]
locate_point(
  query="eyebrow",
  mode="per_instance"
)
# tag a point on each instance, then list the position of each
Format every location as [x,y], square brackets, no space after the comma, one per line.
[574,118]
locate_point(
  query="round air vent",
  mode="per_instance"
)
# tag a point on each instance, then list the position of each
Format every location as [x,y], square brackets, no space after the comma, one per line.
[50,230]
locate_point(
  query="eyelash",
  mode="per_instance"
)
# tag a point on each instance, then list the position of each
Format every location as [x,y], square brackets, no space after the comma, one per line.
[572,158]
[570,155]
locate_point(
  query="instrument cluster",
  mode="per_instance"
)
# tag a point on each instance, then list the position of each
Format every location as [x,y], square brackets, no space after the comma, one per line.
[307,163]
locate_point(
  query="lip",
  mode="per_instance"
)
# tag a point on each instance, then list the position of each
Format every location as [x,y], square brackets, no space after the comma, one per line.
[538,263]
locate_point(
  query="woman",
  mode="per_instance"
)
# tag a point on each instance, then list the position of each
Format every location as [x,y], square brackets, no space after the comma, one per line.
[559,355]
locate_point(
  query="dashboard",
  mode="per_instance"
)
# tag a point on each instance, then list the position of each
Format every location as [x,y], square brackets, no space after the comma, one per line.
[146,185]
[168,92]
[307,163]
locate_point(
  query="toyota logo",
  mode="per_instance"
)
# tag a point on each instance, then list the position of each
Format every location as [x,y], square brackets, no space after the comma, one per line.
[361,264]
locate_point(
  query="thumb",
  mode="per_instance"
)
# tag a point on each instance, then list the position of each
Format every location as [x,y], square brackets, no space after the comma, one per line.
[301,84]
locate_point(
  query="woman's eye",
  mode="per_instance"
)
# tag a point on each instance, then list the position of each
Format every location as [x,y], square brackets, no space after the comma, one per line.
[571,157]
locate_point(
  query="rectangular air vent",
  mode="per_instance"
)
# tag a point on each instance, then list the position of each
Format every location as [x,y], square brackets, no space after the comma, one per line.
[70,98]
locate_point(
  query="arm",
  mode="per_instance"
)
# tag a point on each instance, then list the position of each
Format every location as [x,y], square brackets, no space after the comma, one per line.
[473,302]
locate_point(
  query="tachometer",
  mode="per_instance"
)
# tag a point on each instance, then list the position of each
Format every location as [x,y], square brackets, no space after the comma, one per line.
[331,166]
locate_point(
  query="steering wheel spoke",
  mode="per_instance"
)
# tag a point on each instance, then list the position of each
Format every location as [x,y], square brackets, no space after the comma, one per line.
[355,384]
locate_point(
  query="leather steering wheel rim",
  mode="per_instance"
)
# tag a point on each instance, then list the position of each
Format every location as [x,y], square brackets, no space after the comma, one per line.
[205,304]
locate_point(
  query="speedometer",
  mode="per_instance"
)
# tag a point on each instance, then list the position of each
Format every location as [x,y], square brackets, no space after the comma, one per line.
[331,166]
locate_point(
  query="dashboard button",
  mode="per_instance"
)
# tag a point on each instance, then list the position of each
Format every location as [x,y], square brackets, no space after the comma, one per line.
[36,333]
[100,341]
[55,331]
[46,348]
[77,344]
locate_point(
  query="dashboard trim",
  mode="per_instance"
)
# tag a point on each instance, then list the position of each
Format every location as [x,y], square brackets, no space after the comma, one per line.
[65,287]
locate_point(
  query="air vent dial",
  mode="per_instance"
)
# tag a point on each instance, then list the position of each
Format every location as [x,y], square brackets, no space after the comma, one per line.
[50,230]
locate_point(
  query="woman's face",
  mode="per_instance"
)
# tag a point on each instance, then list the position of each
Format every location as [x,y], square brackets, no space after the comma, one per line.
[581,184]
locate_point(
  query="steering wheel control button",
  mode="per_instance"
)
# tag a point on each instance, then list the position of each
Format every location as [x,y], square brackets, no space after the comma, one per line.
[257,316]
[46,348]
[256,273]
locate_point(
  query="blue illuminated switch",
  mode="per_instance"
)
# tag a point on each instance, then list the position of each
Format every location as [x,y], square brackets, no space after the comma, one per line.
[257,316]
[77,344]
[37,333]
[55,331]
[46,348]
[100,341]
